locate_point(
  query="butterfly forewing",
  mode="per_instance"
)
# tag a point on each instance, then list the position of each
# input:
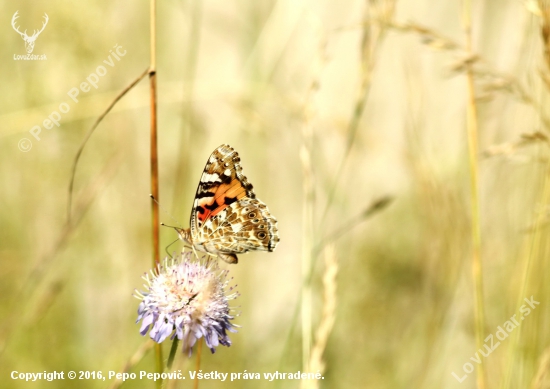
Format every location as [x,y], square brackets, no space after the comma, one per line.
[221,183]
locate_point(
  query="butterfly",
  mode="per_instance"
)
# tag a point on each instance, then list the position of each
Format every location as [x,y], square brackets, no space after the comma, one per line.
[227,219]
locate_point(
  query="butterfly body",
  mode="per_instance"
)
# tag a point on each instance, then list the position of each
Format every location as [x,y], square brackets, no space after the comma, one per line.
[227,219]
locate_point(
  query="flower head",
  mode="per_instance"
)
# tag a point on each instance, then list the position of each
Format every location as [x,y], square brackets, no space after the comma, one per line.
[188,297]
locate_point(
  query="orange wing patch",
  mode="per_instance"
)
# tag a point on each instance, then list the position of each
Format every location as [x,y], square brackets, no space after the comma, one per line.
[225,195]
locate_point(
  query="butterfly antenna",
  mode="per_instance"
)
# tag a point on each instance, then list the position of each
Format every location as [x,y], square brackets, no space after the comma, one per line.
[166,212]
[166,225]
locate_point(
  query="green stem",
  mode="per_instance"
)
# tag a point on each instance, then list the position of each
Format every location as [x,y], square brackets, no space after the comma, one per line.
[172,353]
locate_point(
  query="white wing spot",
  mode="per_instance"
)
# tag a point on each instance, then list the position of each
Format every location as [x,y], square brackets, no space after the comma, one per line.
[227,172]
[214,177]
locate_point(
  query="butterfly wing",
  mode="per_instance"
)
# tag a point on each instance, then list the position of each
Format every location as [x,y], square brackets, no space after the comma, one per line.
[227,218]
[243,226]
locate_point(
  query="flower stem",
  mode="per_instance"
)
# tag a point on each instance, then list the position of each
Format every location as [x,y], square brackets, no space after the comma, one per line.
[198,365]
[172,353]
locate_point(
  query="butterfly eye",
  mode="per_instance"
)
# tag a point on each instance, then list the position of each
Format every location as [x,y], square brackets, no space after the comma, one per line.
[255,221]
[261,235]
[251,215]
[261,226]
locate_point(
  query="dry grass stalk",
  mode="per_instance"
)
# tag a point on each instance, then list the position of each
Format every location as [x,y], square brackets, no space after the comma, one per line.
[309,199]
[472,130]
[509,148]
[138,355]
[89,134]
[23,299]
[541,380]
[155,219]
[490,80]
[544,14]
[515,367]
[373,34]
[328,316]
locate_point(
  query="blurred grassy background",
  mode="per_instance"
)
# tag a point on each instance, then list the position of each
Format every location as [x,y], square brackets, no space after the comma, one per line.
[258,76]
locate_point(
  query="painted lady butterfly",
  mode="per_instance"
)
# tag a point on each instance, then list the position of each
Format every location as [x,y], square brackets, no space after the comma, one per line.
[227,218]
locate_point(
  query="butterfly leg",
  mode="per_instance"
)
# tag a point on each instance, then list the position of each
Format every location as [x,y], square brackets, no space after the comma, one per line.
[195,252]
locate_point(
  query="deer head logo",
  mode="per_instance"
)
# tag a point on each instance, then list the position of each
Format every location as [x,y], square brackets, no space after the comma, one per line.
[29,40]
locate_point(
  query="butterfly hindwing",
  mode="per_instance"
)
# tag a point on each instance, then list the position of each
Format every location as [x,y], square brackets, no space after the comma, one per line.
[243,226]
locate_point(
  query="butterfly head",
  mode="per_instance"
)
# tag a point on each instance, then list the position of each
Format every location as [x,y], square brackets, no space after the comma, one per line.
[185,235]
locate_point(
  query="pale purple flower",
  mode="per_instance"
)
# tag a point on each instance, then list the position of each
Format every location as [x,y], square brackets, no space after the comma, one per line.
[187,299]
